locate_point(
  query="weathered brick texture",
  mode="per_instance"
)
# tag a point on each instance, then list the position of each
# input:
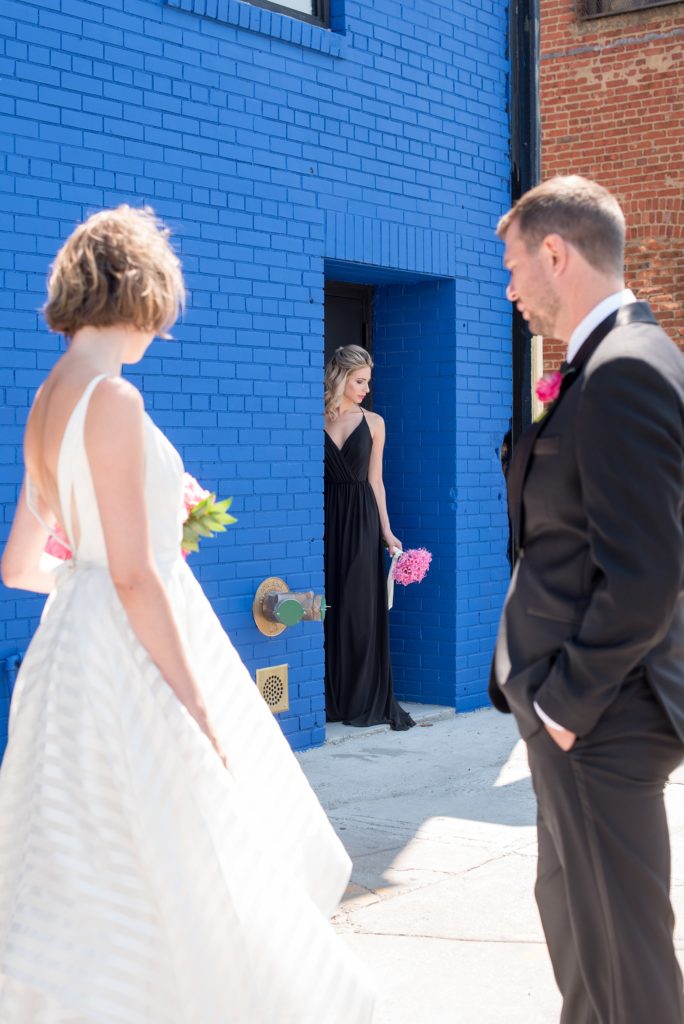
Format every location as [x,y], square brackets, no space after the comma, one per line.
[612,103]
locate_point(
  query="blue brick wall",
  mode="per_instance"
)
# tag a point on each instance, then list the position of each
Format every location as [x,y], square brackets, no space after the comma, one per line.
[483,390]
[9,665]
[415,367]
[280,153]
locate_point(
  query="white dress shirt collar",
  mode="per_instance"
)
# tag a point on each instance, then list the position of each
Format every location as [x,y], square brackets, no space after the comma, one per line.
[594,317]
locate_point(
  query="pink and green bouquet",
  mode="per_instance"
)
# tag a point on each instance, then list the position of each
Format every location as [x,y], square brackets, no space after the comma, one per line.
[203,515]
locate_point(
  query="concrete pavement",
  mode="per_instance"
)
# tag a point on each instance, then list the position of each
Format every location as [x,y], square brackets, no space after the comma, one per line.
[439,822]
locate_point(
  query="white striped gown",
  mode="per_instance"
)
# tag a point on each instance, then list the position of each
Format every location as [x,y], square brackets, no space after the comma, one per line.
[141,882]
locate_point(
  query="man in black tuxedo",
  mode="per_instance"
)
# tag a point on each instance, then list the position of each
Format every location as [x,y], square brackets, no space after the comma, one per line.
[590,652]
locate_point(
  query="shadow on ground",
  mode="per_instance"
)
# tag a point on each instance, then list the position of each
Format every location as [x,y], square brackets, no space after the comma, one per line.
[449,783]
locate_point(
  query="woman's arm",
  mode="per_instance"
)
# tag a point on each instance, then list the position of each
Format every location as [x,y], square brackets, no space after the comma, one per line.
[375,480]
[25,544]
[114,436]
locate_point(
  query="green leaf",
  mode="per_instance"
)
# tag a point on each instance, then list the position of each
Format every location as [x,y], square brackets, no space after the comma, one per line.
[201,506]
[208,517]
[223,519]
[221,506]
[201,528]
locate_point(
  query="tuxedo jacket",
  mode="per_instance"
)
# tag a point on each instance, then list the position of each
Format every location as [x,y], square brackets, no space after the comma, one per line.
[596,501]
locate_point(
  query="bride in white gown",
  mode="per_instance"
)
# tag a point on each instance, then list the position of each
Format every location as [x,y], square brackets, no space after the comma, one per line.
[163,859]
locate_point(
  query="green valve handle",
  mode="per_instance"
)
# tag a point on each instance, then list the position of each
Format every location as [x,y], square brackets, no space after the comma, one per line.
[289,613]
[275,606]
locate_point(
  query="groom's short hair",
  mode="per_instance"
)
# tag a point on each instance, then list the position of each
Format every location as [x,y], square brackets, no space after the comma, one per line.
[582,212]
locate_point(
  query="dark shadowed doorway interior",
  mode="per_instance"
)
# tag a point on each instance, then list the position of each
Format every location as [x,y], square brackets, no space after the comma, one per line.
[348,319]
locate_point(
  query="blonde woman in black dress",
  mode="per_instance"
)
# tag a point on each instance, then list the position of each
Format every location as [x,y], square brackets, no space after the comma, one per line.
[358,672]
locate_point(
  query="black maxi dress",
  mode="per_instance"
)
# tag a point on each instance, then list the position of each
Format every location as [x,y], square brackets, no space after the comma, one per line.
[358,672]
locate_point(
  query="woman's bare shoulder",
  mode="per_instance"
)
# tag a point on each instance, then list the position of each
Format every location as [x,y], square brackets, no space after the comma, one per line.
[376,423]
[115,415]
[61,391]
[117,395]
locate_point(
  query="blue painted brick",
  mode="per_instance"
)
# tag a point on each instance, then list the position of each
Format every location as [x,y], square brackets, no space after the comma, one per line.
[277,165]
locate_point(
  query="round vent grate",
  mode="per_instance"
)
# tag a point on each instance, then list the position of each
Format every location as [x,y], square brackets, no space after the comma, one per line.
[273,690]
[272,682]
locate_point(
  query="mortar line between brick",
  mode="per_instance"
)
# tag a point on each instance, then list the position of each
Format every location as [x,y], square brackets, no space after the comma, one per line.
[614,44]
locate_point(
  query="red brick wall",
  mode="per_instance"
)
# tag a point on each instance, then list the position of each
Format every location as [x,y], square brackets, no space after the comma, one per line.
[612,108]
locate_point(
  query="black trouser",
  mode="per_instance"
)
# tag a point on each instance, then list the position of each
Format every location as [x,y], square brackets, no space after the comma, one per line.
[603,879]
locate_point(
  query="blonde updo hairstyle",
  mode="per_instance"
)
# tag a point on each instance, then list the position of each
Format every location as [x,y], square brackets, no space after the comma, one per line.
[117,267]
[344,361]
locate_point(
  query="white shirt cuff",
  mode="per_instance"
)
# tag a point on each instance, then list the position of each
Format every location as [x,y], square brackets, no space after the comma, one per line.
[549,721]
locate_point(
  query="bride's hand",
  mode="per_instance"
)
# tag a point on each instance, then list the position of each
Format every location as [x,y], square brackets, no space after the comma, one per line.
[205,725]
[213,739]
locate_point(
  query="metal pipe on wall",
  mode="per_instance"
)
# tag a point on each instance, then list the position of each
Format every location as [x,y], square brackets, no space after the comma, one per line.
[525,126]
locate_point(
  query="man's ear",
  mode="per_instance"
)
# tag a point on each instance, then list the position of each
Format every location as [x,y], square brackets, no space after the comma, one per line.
[556,252]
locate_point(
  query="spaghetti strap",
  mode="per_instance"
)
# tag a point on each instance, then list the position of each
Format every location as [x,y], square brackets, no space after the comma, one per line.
[32,492]
[73,434]
[32,503]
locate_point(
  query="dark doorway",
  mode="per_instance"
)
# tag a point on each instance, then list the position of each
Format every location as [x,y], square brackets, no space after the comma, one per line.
[348,318]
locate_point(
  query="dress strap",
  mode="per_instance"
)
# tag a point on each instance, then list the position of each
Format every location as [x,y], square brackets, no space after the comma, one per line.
[73,438]
[32,500]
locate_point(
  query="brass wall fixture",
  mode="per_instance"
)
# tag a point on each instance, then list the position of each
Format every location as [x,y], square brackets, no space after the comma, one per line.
[276,607]
[272,684]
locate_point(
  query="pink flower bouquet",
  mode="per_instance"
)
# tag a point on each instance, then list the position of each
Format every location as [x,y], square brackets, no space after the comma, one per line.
[57,544]
[202,514]
[407,567]
[411,566]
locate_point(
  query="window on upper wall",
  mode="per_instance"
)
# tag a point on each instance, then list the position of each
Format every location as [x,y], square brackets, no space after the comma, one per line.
[602,8]
[316,11]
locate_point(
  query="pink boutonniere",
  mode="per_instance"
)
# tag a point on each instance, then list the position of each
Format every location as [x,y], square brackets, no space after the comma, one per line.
[547,388]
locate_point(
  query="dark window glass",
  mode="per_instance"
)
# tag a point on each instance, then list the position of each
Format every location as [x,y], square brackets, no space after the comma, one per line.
[602,8]
[315,11]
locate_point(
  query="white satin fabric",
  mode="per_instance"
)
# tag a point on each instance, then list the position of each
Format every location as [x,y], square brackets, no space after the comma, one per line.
[141,882]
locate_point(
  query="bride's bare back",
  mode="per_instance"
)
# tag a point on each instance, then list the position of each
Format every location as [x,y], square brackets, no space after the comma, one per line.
[50,413]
